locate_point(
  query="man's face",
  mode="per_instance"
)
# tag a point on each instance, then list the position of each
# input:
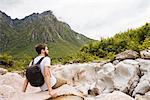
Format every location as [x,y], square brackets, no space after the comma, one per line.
[46,51]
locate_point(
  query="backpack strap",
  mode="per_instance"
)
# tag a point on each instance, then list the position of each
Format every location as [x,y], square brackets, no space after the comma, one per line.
[32,61]
[39,61]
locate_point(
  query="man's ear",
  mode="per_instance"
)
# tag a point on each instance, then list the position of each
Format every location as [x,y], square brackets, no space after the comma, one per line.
[42,50]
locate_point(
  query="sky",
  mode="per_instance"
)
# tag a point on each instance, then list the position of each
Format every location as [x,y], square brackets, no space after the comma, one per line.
[94,18]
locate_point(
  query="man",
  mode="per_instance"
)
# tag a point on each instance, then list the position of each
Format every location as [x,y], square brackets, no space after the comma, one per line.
[50,80]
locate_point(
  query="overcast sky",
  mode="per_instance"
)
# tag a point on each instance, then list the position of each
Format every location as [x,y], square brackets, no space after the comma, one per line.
[93,18]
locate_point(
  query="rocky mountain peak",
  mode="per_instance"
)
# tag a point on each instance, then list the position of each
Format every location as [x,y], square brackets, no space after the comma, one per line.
[48,14]
[6,19]
[45,13]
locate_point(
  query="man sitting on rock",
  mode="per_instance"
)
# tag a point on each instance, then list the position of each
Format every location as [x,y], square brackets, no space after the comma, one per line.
[49,79]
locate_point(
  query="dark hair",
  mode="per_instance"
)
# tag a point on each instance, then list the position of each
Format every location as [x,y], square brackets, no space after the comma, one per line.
[39,47]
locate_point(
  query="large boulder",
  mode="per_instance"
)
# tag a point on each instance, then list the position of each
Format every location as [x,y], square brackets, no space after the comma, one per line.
[124,76]
[104,82]
[76,74]
[11,86]
[65,92]
[128,54]
[145,54]
[12,79]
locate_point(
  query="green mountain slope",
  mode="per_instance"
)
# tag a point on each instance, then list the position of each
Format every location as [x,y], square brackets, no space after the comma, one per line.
[19,36]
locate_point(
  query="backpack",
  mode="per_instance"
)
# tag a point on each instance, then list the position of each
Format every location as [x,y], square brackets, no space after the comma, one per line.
[34,74]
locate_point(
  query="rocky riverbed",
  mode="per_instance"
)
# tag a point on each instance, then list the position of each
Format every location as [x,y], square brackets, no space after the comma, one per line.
[125,78]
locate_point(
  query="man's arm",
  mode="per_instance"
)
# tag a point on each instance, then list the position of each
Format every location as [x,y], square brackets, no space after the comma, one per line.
[25,85]
[47,77]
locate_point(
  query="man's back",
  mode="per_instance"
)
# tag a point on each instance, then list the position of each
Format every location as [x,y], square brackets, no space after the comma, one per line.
[45,62]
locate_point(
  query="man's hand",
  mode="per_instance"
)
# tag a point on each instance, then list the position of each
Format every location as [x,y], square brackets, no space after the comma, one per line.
[23,90]
[53,93]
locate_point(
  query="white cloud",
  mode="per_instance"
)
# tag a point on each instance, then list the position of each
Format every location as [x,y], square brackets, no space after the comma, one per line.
[93,18]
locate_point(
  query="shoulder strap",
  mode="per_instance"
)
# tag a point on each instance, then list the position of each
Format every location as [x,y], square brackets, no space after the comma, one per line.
[40,60]
[32,61]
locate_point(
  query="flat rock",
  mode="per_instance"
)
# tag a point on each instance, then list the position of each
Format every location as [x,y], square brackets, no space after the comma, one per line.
[128,54]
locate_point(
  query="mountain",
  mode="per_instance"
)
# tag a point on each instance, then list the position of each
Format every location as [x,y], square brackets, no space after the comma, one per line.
[19,36]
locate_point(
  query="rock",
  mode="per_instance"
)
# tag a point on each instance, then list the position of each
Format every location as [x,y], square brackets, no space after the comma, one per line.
[128,54]
[12,79]
[93,92]
[115,62]
[67,89]
[104,82]
[108,68]
[84,88]
[144,65]
[102,62]
[63,93]
[131,62]
[22,73]
[147,93]
[145,54]
[67,97]
[6,92]
[139,97]
[3,71]
[145,77]
[142,88]
[16,81]
[124,76]
[116,95]
[76,74]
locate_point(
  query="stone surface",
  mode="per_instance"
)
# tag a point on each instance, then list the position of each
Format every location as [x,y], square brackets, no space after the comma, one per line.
[116,95]
[124,76]
[144,65]
[6,92]
[127,54]
[142,88]
[88,81]
[145,54]
[139,97]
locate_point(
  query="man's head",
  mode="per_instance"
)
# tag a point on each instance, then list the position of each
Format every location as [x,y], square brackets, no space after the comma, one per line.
[42,49]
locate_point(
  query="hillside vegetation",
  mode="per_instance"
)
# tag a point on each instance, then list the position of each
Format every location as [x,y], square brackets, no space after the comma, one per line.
[134,39]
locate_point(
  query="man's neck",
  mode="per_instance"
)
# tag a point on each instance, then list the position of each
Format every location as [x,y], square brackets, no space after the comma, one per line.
[42,55]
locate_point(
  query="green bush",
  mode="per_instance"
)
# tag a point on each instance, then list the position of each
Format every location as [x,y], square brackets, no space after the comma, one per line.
[133,39]
[6,60]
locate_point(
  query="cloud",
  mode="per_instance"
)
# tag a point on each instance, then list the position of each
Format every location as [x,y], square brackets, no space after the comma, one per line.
[8,4]
[93,18]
